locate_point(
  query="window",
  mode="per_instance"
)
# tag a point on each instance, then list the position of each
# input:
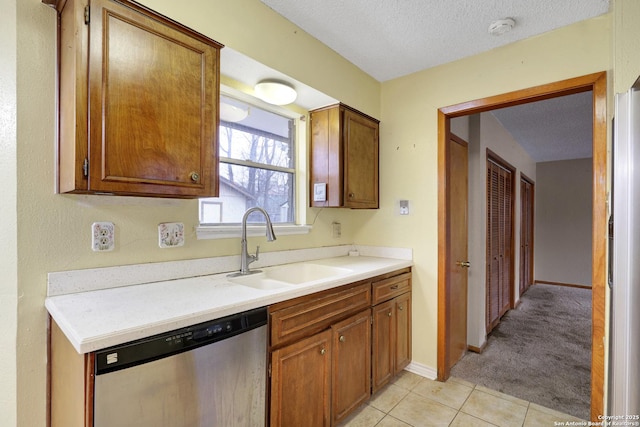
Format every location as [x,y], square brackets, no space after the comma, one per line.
[257,165]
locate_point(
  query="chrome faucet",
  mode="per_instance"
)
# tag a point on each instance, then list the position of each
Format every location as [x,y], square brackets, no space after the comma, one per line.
[247,259]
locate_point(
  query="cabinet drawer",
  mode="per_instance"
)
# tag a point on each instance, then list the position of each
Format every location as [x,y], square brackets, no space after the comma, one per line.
[318,313]
[386,289]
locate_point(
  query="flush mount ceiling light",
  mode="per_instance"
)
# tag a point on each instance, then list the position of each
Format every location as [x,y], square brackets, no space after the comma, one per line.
[501,26]
[275,92]
[232,113]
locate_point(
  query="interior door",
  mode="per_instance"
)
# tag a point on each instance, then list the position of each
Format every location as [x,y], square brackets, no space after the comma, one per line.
[499,242]
[458,262]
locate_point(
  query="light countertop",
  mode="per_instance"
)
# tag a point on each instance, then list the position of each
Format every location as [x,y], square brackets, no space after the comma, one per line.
[97,319]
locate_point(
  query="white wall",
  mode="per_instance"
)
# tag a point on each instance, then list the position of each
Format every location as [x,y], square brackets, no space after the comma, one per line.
[563,220]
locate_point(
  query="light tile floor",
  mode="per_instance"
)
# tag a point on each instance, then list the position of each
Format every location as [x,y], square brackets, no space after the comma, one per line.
[413,401]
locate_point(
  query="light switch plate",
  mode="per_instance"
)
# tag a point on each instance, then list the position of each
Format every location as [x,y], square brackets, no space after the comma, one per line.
[103,237]
[170,234]
[404,207]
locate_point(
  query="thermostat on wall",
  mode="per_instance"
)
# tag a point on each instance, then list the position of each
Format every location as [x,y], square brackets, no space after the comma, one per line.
[320,192]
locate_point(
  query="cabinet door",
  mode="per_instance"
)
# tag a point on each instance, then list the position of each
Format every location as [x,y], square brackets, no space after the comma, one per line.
[351,364]
[301,382]
[153,102]
[383,345]
[403,331]
[361,161]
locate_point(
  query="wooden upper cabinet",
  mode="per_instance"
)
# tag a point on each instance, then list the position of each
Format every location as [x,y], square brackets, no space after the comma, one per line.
[344,156]
[139,98]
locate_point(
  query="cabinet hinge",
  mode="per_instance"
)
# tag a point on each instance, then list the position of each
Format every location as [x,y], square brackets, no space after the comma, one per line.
[87,15]
[85,167]
[269,370]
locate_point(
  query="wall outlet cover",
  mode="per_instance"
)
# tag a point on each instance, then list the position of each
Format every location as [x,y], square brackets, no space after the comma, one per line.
[336,230]
[170,234]
[103,236]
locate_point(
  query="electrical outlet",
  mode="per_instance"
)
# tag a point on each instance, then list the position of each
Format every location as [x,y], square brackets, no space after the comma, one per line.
[170,234]
[336,230]
[103,237]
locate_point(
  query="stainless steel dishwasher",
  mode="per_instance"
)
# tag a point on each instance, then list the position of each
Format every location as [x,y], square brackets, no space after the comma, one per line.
[210,374]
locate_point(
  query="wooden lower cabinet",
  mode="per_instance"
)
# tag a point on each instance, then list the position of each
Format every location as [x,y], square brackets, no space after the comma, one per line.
[391,336]
[300,382]
[319,380]
[382,345]
[403,332]
[351,373]
[332,350]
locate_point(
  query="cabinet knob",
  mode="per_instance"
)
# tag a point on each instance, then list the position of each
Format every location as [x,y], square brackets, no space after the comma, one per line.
[352,195]
[389,314]
[341,339]
[400,307]
[195,176]
[323,351]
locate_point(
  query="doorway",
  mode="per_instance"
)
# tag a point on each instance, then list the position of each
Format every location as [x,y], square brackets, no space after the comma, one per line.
[597,84]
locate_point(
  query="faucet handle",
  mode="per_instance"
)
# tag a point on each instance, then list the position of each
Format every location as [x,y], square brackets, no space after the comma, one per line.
[257,253]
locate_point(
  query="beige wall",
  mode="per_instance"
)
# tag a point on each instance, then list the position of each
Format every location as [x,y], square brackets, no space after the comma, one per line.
[8,231]
[53,230]
[563,221]
[408,149]
[626,39]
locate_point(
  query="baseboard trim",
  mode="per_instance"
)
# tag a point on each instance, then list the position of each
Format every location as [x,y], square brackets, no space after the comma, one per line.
[478,350]
[422,370]
[570,285]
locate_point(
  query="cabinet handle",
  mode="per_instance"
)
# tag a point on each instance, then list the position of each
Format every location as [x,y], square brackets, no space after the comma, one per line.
[323,351]
[341,339]
[389,314]
[195,176]
[394,287]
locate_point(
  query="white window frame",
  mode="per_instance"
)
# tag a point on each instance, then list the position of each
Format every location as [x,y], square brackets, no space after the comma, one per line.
[225,231]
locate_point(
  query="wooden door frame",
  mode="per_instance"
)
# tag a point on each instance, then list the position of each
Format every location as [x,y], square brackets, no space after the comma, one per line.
[532,230]
[597,83]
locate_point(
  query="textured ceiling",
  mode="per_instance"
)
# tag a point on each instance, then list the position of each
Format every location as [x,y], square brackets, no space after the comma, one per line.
[392,38]
[551,130]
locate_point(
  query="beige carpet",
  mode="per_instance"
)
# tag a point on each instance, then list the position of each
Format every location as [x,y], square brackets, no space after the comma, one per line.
[540,352]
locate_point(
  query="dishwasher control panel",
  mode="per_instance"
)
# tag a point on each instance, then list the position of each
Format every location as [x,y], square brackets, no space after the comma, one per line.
[169,343]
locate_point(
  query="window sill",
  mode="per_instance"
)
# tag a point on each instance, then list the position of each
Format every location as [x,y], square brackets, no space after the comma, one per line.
[235,231]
